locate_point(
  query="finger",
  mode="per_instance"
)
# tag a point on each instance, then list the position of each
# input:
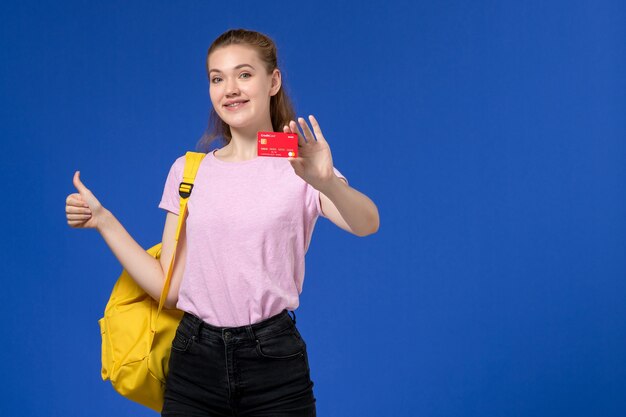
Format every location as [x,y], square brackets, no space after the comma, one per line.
[78,216]
[317,129]
[291,127]
[295,163]
[78,203]
[307,132]
[294,129]
[75,200]
[75,223]
[77,210]
[287,129]
[79,185]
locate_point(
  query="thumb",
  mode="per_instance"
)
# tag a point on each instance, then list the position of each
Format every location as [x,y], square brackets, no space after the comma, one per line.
[295,162]
[79,185]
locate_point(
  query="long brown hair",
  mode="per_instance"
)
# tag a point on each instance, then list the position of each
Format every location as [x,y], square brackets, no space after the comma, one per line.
[281,109]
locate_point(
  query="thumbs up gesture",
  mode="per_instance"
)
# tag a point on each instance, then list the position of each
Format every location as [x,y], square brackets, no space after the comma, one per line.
[82,208]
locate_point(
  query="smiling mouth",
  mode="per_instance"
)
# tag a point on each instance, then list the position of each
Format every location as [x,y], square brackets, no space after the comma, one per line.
[235,105]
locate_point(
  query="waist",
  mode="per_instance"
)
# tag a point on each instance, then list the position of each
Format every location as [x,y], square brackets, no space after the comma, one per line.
[193,325]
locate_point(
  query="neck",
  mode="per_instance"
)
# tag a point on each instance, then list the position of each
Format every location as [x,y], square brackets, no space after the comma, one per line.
[243,145]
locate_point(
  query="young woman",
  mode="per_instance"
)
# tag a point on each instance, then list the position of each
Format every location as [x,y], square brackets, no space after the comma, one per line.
[240,265]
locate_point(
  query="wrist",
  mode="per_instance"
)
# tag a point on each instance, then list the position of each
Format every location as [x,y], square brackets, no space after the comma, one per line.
[104,220]
[329,187]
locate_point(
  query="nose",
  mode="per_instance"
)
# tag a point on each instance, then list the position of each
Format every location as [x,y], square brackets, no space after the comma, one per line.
[232,88]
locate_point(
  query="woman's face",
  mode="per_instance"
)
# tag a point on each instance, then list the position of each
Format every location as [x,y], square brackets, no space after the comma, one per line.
[240,87]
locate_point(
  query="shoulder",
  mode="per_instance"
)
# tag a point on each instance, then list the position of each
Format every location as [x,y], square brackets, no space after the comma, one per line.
[180,160]
[178,164]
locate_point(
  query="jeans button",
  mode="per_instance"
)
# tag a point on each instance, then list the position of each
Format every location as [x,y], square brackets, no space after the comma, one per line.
[227,335]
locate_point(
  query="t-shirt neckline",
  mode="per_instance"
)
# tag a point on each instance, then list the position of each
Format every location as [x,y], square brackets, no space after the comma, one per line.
[233,163]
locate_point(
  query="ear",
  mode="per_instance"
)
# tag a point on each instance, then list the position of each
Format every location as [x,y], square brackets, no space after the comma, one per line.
[276,82]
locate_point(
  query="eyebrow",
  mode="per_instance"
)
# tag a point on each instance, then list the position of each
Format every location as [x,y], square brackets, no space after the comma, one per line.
[237,67]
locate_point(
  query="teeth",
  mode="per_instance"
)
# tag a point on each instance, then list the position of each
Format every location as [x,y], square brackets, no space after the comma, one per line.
[235,104]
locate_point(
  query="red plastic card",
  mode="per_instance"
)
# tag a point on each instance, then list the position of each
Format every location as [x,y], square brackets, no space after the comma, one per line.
[277,144]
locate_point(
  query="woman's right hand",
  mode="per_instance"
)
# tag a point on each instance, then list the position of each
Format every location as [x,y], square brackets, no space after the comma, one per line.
[83,210]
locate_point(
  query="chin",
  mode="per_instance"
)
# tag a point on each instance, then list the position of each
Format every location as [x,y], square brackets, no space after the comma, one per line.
[238,121]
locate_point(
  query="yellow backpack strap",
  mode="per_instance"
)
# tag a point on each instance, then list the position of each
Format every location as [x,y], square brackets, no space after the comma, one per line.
[192,163]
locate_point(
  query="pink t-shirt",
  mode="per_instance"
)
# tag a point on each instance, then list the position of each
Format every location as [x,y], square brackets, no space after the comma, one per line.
[249,226]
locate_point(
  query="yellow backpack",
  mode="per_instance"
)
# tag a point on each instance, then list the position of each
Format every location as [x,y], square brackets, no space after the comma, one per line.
[136,331]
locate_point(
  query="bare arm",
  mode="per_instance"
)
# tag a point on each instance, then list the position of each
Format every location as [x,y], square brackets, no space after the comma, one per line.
[349,208]
[169,234]
[141,266]
[84,211]
[148,272]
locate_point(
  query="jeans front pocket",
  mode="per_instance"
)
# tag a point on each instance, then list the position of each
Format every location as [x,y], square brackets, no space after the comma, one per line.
[283,345]
[181,341]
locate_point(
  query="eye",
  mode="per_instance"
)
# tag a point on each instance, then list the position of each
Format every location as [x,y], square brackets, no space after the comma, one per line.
[245,73]
[215,78]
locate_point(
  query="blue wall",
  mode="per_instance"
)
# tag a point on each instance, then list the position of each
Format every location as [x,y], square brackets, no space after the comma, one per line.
[491,136]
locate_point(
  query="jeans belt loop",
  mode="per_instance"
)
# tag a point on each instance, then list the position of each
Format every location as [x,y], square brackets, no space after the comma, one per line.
[198,328]
[250,332]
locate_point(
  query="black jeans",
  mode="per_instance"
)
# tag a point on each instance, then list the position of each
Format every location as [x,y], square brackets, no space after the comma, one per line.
[257,370]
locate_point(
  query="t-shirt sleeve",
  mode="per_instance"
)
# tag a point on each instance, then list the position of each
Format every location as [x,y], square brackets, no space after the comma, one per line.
[170,200]
[316,193]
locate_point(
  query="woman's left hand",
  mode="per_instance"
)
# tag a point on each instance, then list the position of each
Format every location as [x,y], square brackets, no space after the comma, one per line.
[314,163]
